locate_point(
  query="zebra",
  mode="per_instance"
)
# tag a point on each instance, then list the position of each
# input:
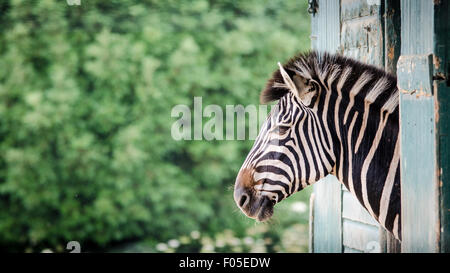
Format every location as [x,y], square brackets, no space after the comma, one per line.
[334,115]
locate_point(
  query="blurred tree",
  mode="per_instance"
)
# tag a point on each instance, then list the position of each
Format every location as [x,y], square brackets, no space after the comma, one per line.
[86,94]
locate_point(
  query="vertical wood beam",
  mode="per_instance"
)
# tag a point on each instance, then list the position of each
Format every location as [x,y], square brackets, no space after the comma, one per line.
[442,86]
[419,183]
[327,233]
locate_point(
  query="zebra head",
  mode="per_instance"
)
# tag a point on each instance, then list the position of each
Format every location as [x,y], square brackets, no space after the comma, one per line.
[291,151]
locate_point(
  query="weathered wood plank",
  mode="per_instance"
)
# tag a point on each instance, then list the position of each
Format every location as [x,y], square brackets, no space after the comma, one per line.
[419,192]
[327,216]
[362,39]
[325,28]
[353,210]
[356,8]
[417,23]
[360,236]
[415,75]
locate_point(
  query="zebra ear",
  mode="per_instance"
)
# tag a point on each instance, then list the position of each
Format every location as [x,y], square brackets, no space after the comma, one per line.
[303,88]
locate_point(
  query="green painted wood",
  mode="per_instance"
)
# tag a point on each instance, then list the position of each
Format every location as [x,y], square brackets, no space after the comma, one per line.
[419,195]
[415,74]
[362,39]
[417,21]
[327,226]
[362,31]
[442,67]
[419,187]
[420,192]
[420,210]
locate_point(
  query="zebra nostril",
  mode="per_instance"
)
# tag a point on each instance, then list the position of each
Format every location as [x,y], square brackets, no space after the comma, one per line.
[243,200]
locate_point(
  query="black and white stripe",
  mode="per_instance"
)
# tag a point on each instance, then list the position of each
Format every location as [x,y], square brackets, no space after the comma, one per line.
[334,115]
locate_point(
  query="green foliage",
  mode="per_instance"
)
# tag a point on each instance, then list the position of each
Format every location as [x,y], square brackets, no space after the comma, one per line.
[86,94]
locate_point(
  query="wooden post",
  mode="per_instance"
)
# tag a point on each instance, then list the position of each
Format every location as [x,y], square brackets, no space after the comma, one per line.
[418,120]
[441,77]
[327,227]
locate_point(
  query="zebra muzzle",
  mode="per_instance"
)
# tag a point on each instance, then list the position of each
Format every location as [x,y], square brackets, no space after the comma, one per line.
[251,202]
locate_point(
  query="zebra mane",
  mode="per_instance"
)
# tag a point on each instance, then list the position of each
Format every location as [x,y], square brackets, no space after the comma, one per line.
[325,68]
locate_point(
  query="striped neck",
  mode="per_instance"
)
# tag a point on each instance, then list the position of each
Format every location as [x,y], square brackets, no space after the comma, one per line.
[359,107]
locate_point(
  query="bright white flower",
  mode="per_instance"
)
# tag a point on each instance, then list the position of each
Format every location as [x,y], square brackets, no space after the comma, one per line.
[161,247]
[173,243]
[195,234]
[208,248]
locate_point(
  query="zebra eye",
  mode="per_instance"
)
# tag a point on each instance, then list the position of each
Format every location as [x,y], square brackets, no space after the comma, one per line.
[282,129]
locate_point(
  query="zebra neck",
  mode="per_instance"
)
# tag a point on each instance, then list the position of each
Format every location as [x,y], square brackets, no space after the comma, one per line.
[366,147]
